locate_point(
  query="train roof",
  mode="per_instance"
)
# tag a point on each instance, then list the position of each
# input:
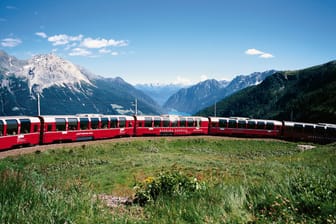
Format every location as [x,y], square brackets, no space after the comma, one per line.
[51,118]
[31,118]
[328,125]
[170,117]
[216,119]
[292,123]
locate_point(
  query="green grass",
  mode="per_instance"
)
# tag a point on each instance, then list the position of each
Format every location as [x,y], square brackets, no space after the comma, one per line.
[243,181]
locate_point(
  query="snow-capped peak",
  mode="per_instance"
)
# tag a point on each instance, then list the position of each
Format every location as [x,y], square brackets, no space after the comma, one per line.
[48,70]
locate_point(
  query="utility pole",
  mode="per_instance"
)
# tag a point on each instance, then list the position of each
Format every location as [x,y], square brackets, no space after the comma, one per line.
[215,109]
[136,106]
[38,105]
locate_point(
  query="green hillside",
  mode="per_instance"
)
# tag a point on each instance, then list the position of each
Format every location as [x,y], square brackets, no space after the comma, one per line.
[304,95]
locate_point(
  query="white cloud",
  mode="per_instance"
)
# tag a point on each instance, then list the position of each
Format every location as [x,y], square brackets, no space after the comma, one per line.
[253,51]
[84,46]
[108,51]
[70,46]
[10,42]
[101,43]
[104,51]
[266,55]
[63,39]
[79,52]
[182,81]
[41,34]
[261,54]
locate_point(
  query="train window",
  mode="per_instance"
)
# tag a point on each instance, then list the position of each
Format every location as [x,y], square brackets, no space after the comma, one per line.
[320,130]
[49,127]
[60,124]
[72,124]
[331,132]
[12,127]
[270,126]
[174,123]
[190,122]
[25,126]
[94,123]
[298,127]
[157,122]
[183,122]
[104,122]
[251,124]
[222,123]
[140,124]
[166,122]
[242,124]
[260,125]
[122,122]
[84,123]
[214,124]
[232,123]
[1,128]
[148,122]
[114,122]
[309,129]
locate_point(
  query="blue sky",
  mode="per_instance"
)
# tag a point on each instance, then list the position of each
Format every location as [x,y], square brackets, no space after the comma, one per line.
[173,41]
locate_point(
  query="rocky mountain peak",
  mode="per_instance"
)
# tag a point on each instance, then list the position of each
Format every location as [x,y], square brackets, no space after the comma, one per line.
[64,88]
[47,70]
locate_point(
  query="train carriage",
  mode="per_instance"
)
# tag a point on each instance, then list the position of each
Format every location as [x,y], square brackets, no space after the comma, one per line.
[299,131]
[19,131]
[244,127]
[166,125]
[85,127]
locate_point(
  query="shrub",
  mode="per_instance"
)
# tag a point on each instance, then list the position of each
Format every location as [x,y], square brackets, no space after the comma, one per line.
[171,183]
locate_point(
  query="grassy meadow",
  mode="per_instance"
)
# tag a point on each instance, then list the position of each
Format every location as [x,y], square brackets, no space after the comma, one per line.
[191,180]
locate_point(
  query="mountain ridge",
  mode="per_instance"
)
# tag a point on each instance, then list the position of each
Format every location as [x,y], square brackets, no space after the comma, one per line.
[203,94]
[64,88]
[306,95]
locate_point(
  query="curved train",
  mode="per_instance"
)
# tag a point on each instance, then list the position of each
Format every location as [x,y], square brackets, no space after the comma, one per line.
[18,131]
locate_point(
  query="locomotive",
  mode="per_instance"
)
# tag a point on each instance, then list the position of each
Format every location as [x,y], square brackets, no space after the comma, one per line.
[18,131]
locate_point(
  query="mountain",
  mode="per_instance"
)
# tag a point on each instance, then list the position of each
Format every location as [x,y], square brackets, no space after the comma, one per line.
[159,92]
[304,95]
[192,99]
[64,88]
[243,81]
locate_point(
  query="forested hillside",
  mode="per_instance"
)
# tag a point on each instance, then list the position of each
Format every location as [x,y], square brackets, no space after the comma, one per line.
[304,95]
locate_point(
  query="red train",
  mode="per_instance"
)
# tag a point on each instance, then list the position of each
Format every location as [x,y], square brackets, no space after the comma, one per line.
[26,131]
[170,125]
[84,127]
[19,131]
[245,127]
